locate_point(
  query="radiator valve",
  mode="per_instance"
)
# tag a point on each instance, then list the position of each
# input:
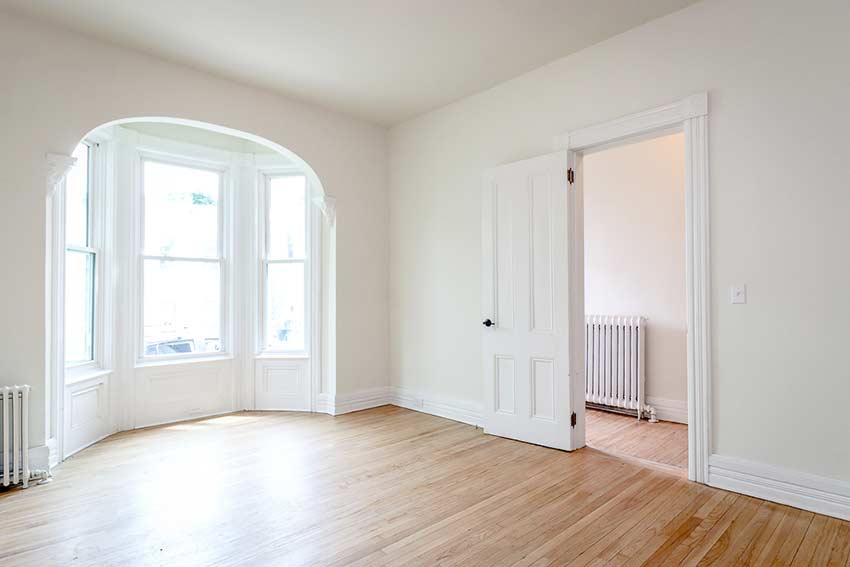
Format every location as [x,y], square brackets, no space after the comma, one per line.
[41,475]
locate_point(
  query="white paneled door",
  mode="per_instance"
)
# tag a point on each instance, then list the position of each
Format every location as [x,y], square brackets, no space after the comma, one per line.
[525,308]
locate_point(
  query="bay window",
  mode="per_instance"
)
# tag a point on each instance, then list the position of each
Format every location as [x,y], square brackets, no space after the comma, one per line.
[182,259]
[184,280]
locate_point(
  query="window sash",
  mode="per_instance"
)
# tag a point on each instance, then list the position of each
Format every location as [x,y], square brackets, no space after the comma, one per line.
[219,259]
[266,237]
[266,304]
[189,164]
[222,334]
[90,308]
[91,329]
[266,261]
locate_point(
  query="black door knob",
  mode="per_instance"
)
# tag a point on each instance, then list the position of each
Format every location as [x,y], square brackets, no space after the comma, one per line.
[488,323]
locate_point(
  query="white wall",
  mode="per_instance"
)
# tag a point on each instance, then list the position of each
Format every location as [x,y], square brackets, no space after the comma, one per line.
[778,79]
[634,250]
[56,86]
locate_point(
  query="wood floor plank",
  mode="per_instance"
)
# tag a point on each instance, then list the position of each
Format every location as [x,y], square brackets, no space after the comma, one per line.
[387,487]
[733,541]
[710,515]
[665,442]
[785,541]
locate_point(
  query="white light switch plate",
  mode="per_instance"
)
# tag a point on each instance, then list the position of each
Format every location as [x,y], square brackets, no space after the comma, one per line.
[738,294]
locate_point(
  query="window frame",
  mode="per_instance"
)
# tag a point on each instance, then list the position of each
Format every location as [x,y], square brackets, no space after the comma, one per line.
[93,249]
[224,171]
[266,176]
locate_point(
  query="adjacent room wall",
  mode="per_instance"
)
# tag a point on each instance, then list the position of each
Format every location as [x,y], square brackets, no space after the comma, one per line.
[56,86]
[778,82]
[634,251]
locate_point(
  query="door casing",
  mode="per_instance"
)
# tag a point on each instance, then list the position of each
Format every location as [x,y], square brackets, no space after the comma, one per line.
[690,116]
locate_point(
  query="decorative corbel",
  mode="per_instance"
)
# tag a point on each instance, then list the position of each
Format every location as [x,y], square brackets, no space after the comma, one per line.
[58,166]
[327,205]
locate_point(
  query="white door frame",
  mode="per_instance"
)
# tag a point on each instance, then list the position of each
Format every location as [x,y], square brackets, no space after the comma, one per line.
[689,115]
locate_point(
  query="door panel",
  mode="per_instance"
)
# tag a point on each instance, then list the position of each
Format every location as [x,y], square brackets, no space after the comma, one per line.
[526,352]
[505,385]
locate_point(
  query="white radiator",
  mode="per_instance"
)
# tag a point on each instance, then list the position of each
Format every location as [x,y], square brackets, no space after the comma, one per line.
[614,364]
[14,408]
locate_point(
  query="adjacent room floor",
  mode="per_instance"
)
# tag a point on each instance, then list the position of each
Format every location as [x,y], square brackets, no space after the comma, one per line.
[664,443]
[385,487]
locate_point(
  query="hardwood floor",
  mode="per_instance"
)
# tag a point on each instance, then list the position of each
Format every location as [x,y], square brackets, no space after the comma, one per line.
[665,442]
[386,487]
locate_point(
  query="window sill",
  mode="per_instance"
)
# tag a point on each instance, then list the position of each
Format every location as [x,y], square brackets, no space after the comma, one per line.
[282,356]
[187,360]
[84,375]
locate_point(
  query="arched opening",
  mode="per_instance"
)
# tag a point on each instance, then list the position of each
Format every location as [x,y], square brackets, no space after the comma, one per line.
[190,273]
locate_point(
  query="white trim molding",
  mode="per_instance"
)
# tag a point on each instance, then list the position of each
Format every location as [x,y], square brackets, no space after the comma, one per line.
[52,453]
[465,412]
[346,403]
[688,115]
[39,458]
[324,403]
[327,205]
[58,166]
[668,116]
[669,410]
[456,410]
[802,490]
[698,290]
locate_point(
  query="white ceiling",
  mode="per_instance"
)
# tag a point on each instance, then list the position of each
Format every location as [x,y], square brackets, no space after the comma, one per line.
[381,60]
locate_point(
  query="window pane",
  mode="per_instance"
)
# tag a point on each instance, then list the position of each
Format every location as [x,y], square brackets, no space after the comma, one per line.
[287,230]
[285,307]
[79,306]
[77,199]
[182,307]
[181,211]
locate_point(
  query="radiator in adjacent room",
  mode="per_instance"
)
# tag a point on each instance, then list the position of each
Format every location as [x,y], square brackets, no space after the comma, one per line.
[14,407]
[614,363]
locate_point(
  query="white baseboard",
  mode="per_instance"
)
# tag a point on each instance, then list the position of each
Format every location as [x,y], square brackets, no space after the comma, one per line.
[357,401]
[52,453]
[465,412]
[180,419]
[346,403]
[669,410]
[39,457]
[94,441]
[801,490]
[325,404]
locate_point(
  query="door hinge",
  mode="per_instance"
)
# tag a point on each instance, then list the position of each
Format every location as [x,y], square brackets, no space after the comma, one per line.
[571,176]
[573,420]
